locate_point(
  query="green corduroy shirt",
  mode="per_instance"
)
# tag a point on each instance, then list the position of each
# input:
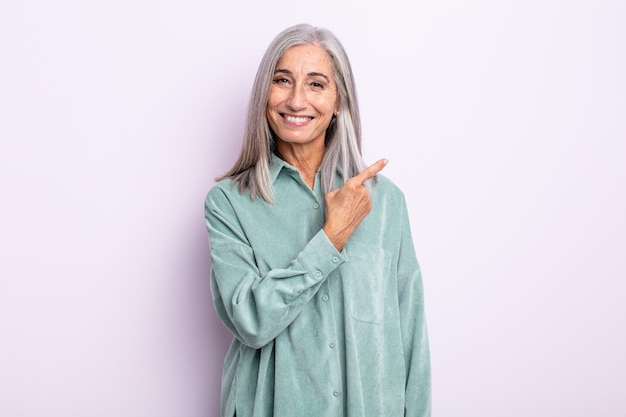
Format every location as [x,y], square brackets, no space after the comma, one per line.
[317,332]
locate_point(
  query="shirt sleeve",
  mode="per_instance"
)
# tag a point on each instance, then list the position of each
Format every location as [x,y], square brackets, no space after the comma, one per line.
[414,333]
[258,307]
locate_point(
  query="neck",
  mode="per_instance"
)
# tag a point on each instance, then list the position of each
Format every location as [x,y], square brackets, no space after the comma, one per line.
[306,160]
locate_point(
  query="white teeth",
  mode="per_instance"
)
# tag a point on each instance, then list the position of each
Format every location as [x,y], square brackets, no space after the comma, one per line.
[293,119]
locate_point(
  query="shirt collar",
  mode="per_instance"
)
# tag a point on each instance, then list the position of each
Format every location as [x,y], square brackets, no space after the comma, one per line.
[277,165]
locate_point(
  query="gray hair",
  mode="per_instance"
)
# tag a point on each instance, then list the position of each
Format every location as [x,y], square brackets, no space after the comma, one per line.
[343,135]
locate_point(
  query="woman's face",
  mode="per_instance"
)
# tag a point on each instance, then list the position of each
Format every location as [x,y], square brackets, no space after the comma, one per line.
[303,96]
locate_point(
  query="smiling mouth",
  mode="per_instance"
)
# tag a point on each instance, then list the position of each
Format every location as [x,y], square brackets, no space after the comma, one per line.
[297,119]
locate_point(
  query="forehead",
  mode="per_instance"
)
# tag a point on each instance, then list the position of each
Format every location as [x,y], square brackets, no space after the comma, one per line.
[307,58]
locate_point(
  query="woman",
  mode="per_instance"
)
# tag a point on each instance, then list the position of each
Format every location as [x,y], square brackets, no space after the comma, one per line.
[313,266]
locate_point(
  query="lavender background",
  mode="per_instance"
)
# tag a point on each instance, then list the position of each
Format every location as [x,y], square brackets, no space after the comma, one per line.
[505,126]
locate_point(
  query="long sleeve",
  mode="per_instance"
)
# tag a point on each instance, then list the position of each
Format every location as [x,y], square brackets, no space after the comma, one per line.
[258,306]
[414,333]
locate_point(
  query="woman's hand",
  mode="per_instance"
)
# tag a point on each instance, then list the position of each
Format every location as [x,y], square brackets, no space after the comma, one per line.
[347,206]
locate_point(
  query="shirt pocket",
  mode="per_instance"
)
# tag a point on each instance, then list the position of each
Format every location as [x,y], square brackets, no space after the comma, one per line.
[368,267]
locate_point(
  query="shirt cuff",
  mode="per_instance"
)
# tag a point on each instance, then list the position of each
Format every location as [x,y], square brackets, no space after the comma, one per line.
[320,257]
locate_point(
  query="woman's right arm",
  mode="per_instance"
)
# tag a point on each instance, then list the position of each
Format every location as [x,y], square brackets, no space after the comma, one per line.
[258,307]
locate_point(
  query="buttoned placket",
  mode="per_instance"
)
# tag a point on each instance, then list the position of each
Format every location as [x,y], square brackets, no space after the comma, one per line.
[327,310]
[324,296]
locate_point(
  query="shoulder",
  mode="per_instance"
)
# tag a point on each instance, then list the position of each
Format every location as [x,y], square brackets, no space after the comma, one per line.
[386,184]
[226,186]
[223,193]
[385,189]
[228,195]
[221,188]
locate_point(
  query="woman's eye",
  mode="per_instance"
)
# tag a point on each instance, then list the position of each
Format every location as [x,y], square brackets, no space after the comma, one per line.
[315,84]
[281,80]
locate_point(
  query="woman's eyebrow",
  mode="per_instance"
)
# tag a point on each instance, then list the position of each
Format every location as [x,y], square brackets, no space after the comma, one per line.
[310,74]
[318,74]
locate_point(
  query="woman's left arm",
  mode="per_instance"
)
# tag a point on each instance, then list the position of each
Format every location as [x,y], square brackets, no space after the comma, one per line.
[413,322]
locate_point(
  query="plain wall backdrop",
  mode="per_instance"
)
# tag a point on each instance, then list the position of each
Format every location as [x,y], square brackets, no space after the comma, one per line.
[504,123]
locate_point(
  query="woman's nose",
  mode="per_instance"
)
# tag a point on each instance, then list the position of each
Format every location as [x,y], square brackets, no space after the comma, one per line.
[297,98]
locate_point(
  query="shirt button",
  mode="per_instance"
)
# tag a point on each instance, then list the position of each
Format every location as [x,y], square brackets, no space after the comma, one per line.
[318,274]
[336,393]
[331,345]
[335,259]
[316,206]
[325,297]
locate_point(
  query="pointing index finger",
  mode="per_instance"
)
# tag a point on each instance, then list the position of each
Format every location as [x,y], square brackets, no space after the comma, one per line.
[371,171]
